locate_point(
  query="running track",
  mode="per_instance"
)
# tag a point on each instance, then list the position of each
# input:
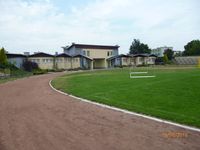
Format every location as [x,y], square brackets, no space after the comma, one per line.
[35,117]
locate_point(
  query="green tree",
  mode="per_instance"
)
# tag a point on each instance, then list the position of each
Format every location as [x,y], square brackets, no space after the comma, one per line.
[139,48]
[165,59]
[169,53]
[3,57]
[192,48]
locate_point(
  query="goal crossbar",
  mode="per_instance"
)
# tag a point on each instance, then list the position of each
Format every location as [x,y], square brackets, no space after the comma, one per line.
[142,76]
[135,75]
[138,72]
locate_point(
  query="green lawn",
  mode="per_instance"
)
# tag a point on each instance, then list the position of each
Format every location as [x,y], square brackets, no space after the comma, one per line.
[174,94]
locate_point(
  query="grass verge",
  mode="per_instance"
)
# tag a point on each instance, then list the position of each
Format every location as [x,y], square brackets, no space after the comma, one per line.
[15,74]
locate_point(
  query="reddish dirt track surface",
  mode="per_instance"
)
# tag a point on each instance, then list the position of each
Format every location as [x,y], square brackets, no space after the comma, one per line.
[35,117]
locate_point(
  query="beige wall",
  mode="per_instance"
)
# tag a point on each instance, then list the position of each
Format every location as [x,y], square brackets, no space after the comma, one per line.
[145,60]
[76,62]
[151,60]
[131,61]
[43,62]
[125,61]
[98,53]
[63,62]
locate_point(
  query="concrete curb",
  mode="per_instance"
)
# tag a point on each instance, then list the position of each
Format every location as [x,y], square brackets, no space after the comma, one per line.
[126,111]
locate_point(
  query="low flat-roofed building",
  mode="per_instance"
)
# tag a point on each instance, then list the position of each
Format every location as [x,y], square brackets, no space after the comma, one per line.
[63,61]
[132,59]
[44,60]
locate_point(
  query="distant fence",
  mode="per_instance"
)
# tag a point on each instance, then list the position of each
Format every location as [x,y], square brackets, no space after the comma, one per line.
[187,60]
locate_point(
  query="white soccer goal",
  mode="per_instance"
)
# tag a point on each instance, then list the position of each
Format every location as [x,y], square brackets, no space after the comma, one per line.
[145,72]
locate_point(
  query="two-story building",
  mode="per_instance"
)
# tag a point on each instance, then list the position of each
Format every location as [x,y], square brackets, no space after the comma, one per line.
[92,56]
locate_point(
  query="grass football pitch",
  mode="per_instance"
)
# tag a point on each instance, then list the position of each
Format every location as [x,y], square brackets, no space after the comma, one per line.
[174,94]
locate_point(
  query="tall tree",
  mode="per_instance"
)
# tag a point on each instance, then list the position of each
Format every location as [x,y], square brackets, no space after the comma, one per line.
[169,53]
[192,48]
[138,48]
[3,57]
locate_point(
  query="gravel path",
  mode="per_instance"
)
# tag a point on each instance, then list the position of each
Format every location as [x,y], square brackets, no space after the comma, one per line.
[34,117]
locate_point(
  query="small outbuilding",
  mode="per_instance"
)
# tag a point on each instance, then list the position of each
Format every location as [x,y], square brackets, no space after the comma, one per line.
[16,59]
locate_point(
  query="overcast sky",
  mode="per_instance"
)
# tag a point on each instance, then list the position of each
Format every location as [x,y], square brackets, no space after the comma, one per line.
[46,25]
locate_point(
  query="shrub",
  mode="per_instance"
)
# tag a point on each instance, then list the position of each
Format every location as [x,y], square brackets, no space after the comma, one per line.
[159,61]
[39,71]
[30,66]
[8,66]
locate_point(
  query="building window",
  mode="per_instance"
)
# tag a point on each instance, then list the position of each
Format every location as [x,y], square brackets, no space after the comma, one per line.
[76,59]
[84,53]
[88,53]
[109,53]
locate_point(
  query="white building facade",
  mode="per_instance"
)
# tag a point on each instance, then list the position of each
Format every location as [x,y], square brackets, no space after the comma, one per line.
[160,51]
